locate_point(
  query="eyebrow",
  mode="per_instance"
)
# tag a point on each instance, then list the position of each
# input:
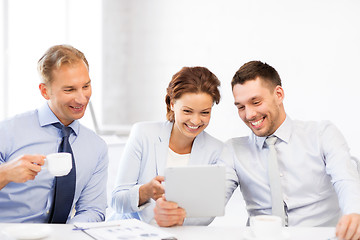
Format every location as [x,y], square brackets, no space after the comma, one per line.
[193,109]
[73,86]
[252,99]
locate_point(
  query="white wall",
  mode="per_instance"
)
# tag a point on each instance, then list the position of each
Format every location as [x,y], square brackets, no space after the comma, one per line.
[34,26]
[314,45]
[2,59]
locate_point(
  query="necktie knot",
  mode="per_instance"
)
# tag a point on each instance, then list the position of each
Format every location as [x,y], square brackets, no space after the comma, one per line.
[66,131]
[271,140]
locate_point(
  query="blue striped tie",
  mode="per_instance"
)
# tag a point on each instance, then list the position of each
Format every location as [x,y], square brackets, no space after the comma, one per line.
[65,185]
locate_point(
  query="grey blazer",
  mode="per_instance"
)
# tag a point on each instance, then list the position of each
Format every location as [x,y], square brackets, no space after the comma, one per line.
[144,157]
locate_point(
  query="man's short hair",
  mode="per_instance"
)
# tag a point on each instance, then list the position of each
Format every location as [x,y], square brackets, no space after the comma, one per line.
[57,56]
[254,69]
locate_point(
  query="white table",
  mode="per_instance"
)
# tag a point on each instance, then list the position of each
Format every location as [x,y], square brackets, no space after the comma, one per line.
[232,233]
[62,231]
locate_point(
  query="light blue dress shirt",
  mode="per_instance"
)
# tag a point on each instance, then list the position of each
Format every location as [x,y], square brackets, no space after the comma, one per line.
[319,180]
[33,133]
[144,158]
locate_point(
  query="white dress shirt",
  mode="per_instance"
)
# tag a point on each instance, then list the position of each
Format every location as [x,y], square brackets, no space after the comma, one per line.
[318,178]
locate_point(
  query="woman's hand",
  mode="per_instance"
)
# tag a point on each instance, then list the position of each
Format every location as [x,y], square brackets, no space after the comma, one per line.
[153,189]
[168,214]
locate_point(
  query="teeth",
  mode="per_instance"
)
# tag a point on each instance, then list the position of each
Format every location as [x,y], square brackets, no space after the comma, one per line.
[193,127]
[257,123]
[77,107]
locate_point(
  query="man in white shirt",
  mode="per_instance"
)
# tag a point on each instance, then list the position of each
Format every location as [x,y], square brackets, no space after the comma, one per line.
[320,185]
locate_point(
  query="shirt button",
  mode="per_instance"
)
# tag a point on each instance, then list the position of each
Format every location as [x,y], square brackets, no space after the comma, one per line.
[281,174]
[47,212]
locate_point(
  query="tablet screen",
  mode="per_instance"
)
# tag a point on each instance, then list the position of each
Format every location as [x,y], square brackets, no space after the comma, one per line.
[200,190]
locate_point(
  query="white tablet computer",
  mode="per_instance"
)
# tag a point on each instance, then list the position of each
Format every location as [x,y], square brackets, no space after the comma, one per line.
[200,190]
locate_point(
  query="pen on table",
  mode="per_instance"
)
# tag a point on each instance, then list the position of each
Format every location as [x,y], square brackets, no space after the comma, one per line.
[102,226]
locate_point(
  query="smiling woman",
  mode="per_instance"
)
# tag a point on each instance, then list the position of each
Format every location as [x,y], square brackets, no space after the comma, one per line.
[192,113]
[189,100]
[179,141]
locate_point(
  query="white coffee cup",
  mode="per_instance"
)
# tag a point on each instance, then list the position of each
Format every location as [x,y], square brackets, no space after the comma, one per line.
[266,227]
[58,164]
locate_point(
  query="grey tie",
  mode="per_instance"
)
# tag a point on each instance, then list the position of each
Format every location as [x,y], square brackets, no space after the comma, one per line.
[274,180]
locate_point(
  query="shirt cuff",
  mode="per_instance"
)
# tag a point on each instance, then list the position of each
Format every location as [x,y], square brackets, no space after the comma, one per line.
[134,196]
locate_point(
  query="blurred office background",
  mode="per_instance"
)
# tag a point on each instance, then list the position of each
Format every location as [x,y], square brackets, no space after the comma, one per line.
[135,46]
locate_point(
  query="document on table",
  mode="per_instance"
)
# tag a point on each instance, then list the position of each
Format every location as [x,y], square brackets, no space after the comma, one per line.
[129,229]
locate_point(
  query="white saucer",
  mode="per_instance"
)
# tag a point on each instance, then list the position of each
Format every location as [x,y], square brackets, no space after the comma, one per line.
[248,235]
[27,231]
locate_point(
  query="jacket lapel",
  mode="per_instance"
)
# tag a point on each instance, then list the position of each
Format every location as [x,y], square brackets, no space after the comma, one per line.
[197,150]
[162,148]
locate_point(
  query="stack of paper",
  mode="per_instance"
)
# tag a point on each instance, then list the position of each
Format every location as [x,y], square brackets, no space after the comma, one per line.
[129,229]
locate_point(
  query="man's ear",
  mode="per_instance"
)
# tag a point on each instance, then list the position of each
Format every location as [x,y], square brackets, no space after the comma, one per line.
[44,91]
[279,91]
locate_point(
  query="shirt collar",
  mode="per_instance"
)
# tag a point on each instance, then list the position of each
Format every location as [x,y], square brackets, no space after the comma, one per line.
[283,133]
[47,117]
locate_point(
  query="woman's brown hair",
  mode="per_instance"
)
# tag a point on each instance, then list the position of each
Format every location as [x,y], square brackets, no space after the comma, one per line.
[191,80]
